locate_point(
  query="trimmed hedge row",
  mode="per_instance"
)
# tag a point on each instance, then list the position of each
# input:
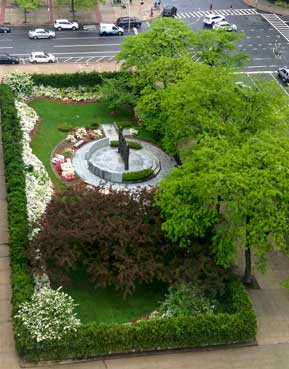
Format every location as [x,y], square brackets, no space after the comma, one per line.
[137,176]
[97,339]
[22,285]
[199,330]
[74,79]
[132,144]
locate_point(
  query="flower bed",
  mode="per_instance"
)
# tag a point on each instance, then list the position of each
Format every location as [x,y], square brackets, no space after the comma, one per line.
[39,189]
[61,159]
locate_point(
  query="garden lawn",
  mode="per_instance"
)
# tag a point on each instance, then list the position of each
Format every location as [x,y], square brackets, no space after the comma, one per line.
[55,115]
[106,305]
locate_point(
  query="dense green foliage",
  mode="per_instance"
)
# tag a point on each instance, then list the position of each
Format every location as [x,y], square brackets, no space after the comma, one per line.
[239,194]
[17,213]
[132,144]
[198,330]
[168,37]
[74,79]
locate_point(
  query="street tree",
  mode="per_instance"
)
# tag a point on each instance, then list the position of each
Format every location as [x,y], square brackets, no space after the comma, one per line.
[172,38]
[218,48]
[28,5]
[208,101]
[78,4]
[166,37]
[238,194]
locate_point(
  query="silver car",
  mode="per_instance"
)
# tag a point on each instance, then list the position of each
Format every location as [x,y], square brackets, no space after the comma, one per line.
[41,33]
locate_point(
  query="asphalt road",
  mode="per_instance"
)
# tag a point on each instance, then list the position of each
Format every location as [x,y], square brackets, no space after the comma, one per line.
[68,46]
[262,34]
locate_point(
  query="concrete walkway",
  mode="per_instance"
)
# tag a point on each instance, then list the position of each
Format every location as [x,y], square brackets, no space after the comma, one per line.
[267,7]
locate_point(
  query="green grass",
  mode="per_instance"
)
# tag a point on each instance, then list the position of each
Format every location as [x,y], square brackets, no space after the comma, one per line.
[55,115]
[106,305]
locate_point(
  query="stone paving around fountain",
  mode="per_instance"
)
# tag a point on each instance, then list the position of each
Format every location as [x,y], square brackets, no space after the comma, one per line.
[81,164]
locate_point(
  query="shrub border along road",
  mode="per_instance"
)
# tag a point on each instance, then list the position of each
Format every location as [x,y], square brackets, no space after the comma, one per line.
[101,339]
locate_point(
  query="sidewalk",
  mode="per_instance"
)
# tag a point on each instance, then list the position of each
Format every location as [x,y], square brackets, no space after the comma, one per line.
[267,7]
[10,14]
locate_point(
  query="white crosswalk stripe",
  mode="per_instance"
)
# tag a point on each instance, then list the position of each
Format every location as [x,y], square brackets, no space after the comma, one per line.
[277,23]
[202,13]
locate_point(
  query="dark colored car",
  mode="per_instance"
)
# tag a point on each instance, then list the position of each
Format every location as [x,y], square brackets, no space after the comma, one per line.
[169,11]
[8,59]
[124,22]
[4,29]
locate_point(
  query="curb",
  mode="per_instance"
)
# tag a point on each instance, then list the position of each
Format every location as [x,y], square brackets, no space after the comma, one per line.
[129,355]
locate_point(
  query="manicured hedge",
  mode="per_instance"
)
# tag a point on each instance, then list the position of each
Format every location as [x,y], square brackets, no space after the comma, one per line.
[195,331]
[74,79]
[132,144]
[137,176]
[22,286]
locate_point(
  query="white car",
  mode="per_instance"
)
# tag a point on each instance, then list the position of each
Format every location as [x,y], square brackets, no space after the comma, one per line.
[41,33]
[212,19]
[61,24]
[110,29]
[225,26]
[41,57]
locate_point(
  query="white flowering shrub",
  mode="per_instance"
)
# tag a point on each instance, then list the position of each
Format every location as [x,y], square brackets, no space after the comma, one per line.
[41,280]
[49,315]
[39,189]
[21,84]
[68,93]
[70,138]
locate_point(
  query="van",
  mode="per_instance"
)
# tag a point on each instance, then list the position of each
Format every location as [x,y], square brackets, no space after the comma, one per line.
[110,29]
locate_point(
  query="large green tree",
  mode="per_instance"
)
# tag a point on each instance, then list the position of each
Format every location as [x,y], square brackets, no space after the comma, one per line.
[172,38]
[207,100]
[238,194]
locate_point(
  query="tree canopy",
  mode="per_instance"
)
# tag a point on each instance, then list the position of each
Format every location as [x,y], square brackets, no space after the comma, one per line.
[237,193]
[172,38]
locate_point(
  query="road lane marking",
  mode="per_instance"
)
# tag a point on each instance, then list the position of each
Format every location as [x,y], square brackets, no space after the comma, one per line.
[90,45]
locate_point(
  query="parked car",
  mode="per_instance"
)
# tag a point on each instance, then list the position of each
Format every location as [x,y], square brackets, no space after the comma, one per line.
[212,19]
[225,26]
[169,11]
[125,22]
[61,24]
[5,29]
[8,59]
[41,57]
[283,73]
[110,29]
[41,33]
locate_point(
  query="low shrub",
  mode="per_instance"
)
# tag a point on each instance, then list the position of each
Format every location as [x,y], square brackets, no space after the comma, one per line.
[191,331]
[137,176]
[132,144]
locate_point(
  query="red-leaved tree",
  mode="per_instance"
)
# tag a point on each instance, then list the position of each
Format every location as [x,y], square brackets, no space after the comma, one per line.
[116,237]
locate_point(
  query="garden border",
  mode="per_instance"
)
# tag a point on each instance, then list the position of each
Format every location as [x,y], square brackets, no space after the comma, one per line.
[91,340]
